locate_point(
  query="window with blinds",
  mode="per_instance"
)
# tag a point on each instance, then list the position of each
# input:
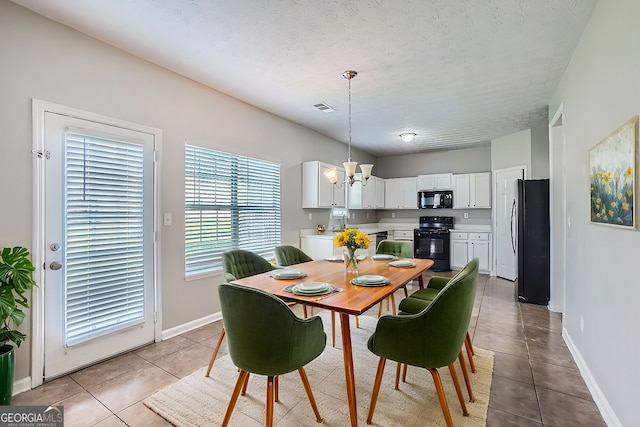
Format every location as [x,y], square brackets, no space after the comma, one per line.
[231,202]
[104,228]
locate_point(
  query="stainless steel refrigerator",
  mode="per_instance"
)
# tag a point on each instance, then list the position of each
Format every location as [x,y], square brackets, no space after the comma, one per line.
[532,241]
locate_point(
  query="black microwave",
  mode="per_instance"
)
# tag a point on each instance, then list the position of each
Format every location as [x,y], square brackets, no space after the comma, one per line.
[435,199]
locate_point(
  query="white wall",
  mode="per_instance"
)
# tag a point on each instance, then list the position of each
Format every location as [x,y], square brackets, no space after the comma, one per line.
[42,59]
[540,152]
[600,91]
[467,160]
[512,150]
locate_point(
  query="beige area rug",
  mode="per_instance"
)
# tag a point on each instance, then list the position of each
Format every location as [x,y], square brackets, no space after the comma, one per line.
[199,401]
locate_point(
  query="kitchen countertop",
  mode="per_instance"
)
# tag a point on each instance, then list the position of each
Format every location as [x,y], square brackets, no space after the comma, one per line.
[390,227]
[365,228]
[472,228]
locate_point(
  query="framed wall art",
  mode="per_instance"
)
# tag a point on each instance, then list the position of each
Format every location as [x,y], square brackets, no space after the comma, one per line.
[612,164]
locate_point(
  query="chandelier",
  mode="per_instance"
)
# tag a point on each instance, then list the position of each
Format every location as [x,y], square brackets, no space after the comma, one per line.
[349,166]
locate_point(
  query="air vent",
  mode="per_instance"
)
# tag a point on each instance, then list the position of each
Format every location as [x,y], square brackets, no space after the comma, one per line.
[324,108]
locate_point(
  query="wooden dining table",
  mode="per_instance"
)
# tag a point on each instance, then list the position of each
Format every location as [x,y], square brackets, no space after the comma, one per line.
[353,300]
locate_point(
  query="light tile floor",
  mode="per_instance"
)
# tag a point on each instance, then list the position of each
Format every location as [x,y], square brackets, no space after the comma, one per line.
[535,380]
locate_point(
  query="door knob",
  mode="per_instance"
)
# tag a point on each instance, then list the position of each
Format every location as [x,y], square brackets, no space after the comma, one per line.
[55,265]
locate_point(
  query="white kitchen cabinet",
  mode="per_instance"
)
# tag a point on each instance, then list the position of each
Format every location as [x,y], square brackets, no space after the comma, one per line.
[472,190]
[370,196]
[440,181]
[467,246]
[319,247]
[317,191]
[401,193]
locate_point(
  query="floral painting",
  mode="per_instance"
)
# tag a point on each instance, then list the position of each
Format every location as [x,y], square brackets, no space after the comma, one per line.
[612,174]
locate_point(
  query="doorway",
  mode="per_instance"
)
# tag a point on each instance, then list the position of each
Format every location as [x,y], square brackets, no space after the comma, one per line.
[97,240]
[558,211]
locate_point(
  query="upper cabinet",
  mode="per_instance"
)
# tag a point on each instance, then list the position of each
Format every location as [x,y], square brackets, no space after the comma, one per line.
[370,196]
[317,191]
[401,193]
[472,190]
[440,181]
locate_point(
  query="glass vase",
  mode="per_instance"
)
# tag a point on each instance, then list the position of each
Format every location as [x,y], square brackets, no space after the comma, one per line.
[350,260]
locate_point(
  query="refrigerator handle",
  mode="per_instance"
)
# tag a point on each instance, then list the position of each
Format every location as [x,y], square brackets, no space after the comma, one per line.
[513,214]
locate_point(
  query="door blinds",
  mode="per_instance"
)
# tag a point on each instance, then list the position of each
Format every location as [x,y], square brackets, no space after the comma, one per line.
[104,227]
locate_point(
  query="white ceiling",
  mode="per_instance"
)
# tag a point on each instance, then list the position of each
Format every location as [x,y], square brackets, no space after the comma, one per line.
[456,72]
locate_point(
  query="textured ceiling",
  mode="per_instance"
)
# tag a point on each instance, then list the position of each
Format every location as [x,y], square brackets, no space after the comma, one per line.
[456,72]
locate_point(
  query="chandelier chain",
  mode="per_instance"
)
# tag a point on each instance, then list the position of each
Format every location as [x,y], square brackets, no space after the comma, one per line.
[349,118]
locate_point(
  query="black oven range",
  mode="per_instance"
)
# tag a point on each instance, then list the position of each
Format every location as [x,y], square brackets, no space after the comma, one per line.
[431,241]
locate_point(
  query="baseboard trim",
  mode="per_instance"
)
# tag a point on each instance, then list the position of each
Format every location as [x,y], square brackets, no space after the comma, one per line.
[189,326]
[21,385]
[598,396]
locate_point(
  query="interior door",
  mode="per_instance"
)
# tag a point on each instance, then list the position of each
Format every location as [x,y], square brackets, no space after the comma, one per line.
[506,257]
[100,236]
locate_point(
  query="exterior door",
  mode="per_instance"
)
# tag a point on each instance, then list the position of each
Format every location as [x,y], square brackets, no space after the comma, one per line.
[506,257]
[99,233]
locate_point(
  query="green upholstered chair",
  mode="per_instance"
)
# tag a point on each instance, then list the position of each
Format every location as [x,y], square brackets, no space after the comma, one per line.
[401,250]
[287,255]
[265,337]
[430,339]
[238,264]
[423,297]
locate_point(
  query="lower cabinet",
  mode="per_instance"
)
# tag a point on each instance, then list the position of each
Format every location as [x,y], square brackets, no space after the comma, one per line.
[318,247]
[467,246]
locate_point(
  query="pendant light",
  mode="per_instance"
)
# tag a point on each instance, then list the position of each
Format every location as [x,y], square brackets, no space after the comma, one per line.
[349,165]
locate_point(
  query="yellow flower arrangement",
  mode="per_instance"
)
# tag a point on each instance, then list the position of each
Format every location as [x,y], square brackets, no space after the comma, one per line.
[353,239]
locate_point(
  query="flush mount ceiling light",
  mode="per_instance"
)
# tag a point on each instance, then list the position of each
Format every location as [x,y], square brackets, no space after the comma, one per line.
[349,166]
[407,136]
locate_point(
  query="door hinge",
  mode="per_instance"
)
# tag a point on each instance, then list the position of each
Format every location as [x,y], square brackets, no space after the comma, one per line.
[155,156]
[40,153]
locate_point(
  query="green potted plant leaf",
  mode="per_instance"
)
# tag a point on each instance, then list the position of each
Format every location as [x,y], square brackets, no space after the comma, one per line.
[16,279]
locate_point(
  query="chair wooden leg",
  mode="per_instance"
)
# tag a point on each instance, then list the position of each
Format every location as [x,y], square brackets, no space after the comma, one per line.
[244,386]
[357,322]
[465,374]
[421,282]
[469,347]
[393,304]
[275,389]
[215,352]
[398,375]
[234,397]
[307,388]
[468,338]
[268,422]
[304,311]
[406,292]
[441,397]
[376,389]
[333,329]
[404,373]
[380,309]
[456,383]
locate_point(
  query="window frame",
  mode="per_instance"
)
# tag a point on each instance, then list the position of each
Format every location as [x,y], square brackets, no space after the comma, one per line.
[232,201]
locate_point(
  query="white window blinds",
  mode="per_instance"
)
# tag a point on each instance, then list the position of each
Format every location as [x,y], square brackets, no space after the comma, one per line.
[104,228]
[231,202]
